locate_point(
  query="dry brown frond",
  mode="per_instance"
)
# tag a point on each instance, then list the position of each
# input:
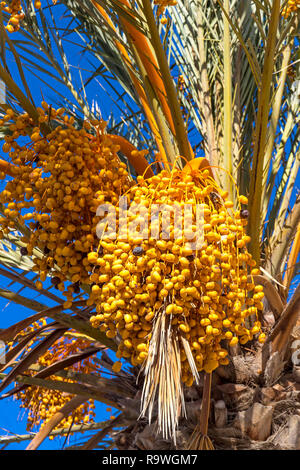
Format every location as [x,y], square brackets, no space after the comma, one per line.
[162,373]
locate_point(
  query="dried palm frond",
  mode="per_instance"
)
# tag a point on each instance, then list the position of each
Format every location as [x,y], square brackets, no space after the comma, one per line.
[162,378]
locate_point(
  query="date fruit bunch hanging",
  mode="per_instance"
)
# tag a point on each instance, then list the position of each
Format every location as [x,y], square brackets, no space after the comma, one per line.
[291,7]
[42,403]
[15,12]
[59,179]
[176,308]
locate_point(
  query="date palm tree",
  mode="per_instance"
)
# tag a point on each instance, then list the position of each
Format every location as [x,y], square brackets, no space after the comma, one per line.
[213,79]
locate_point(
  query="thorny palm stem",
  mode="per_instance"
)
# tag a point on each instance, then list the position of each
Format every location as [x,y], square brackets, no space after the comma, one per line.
[180,130]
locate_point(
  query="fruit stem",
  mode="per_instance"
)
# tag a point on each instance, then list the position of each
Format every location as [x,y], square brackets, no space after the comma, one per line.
[138,161]
[205,407]
[6,168]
